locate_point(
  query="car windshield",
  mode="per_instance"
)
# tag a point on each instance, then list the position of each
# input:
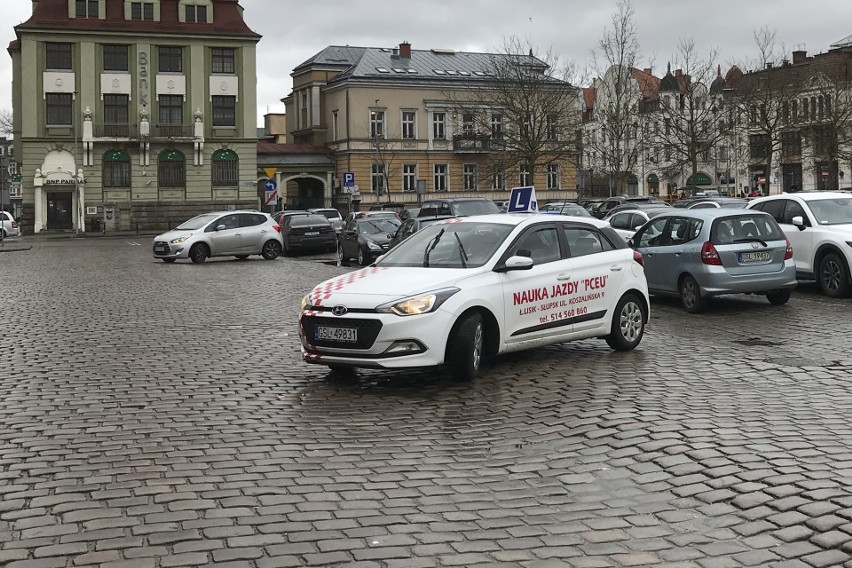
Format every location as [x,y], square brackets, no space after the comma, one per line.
[197,223]
[449,245]
[377,226]
[837,211]
[471,208]
[307,220]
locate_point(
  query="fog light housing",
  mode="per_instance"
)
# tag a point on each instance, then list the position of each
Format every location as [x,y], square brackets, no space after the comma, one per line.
[405,347]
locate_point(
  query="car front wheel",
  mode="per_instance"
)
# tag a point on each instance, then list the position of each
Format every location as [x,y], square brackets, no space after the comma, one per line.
[363,259]
[465,347]
[199,253]
[690,295]
[833,276]
[628,324]
[342,259]
[271,250]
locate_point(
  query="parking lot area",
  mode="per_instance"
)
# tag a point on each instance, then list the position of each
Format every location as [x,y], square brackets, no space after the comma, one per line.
[156,415]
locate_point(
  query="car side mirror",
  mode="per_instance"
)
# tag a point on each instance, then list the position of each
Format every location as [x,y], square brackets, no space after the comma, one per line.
[391,235]
[516,263]
[799,222]
[631,243]
[220,227]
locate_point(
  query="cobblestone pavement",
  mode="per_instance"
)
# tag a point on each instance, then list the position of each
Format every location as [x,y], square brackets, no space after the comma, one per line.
[157,415]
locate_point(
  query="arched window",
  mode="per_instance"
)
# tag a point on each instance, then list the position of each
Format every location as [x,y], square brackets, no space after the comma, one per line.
[116,169]
[171,169]
[226,169]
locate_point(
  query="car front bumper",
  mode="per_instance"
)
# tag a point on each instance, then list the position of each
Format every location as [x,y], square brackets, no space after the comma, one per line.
[328,240]
[162,249]
[718,281]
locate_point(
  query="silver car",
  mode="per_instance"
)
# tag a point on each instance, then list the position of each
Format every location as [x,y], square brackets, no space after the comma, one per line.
[333,215]
[8,225]
[700,253]
[223,233]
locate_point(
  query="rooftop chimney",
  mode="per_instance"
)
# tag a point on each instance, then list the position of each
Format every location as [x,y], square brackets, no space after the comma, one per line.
[678,72]
[647,70]
[769,65]
[405,50]
[799,56]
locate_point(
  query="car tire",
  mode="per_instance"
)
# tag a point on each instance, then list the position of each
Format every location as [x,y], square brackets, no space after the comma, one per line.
[363,259]
[342,371]
[628,324]
[342,260]
[169,260]
[690,295]
[242,256]
[199,253]
[833,276]
[778,297]
[465,347]
[271,250]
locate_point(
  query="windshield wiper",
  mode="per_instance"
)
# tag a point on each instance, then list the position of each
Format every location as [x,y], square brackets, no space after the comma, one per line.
[462,253]
[751,240]
[430,246]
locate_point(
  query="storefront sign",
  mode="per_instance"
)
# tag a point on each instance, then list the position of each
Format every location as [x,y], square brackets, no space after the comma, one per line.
[143,78]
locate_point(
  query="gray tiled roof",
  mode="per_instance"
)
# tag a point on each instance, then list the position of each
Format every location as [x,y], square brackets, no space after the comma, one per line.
[845,42]
[335,55]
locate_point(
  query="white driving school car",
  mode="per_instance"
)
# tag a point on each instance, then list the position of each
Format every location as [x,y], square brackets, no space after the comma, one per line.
[470,287]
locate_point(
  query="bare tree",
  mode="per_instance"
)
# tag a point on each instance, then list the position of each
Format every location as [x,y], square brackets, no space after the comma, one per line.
[6,123]
[523,115]
[384,152]
[616,109]
[690,113]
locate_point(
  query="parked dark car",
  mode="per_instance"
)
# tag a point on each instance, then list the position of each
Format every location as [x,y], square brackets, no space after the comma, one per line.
[365,239]
[395,207]
[458,207]
[278,216]
[312,231]
[711,203]
[617,200]
[411,226]
[630,205]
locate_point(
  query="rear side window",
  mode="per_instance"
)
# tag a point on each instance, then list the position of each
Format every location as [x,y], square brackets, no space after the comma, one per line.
[684,229]
[251,219]
[745,228]
[306,220]
[582,241]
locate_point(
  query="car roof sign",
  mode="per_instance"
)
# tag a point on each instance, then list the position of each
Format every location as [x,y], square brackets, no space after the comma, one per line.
[522,200]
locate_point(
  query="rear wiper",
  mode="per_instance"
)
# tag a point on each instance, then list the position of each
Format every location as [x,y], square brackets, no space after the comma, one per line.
[751,240]
[430,246]
[462,253]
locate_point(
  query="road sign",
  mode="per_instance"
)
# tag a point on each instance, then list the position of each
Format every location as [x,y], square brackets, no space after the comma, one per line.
[270,185]
[825,176]
[348,182]
[522,200]
[269,197]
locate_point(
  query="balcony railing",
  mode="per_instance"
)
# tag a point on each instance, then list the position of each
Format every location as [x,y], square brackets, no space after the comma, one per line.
[472,143]
[115,130]
[174,131]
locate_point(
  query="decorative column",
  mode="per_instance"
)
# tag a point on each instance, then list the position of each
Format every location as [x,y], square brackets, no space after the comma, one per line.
[38,219]
[88,138]
[144,133]
[199,138]
[81,201]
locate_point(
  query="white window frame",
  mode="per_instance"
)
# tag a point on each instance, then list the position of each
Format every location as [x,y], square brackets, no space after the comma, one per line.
[499,179]
[439,125]
[409,127]
[409,177]
[335,125]
[377,178]
[553,176]
[467,126]
[377,123]
[441,178]
[497,126]
[524,175]
[469,177]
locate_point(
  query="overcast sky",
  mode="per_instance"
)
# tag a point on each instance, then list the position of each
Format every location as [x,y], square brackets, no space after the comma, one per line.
[295,30]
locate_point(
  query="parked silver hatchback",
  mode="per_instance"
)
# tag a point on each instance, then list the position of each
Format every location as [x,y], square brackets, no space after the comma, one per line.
[223,233]
[700,253]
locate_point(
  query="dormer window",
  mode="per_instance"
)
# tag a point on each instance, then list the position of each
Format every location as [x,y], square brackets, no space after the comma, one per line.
[142,11]
[87,8]
[196,14]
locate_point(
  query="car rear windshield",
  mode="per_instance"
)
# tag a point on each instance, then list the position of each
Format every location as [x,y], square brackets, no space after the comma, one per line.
[307,220]
[837,211]
[329,213]
[470,208]
[744,229]
[197,223]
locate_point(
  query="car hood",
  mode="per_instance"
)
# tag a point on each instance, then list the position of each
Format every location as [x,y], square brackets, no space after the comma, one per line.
[845,229]
[173,235]
[379,238]
[374,285]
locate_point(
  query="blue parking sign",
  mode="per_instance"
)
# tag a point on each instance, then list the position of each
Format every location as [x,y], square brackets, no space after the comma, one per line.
[522,200]
[348,179]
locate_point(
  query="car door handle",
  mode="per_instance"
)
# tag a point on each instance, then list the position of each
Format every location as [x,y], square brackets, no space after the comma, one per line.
[562,277]
[616,268]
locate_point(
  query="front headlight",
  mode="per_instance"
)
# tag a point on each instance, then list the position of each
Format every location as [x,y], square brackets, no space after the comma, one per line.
[306,302]
[373,246]
[180,239]
[420,304]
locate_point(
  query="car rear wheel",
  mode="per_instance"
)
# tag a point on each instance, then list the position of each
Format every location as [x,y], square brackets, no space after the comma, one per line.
[833,276]
[342,260]
[169,260]
[271,250]
[778,297]
[465,347]
[690,295]
[628,324]
[363,259]
[199,253]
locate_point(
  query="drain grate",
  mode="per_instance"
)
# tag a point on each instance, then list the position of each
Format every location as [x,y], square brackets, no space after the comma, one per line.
[758,342]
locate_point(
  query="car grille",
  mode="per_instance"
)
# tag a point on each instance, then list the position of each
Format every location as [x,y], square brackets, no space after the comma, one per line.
[368,330]
[161,247]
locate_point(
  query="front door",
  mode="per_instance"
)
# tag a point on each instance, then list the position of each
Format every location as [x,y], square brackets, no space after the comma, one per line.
[59,211]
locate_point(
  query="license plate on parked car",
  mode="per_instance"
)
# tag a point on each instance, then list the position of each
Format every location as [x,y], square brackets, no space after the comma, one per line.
[746,257]
[312,233]
[344,334]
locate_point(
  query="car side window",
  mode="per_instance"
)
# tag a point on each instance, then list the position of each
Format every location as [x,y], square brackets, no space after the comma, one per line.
[774,208]
[542,245]
[582,241]
[350,225]
[251,219]
[653,235]
[678,231]
[794,209]
[621,221]
[229,221]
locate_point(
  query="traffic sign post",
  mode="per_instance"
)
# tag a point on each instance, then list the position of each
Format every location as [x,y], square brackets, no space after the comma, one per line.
[522,200]
[270,194]
[348,182]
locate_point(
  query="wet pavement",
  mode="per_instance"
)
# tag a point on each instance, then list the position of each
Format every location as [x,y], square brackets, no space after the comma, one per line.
[157,415]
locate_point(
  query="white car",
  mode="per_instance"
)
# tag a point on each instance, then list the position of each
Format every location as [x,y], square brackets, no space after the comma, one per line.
[818,225]
[8,225]
[627,221]
[465,288]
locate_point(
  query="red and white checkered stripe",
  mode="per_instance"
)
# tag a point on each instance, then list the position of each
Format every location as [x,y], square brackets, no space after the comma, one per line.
[321,293]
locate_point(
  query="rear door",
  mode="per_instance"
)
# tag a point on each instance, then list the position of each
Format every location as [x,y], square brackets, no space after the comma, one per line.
[671,258]
[651,241]
[749,243]
[254,231]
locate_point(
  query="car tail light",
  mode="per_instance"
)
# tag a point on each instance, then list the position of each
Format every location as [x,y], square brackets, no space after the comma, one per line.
[277,227]
[637,256]
[788,254]
[709,254]
[15,226]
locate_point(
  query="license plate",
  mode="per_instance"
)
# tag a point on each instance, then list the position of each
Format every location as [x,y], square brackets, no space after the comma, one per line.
[161,249]
[746,257]
[344,334]
[312,233]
